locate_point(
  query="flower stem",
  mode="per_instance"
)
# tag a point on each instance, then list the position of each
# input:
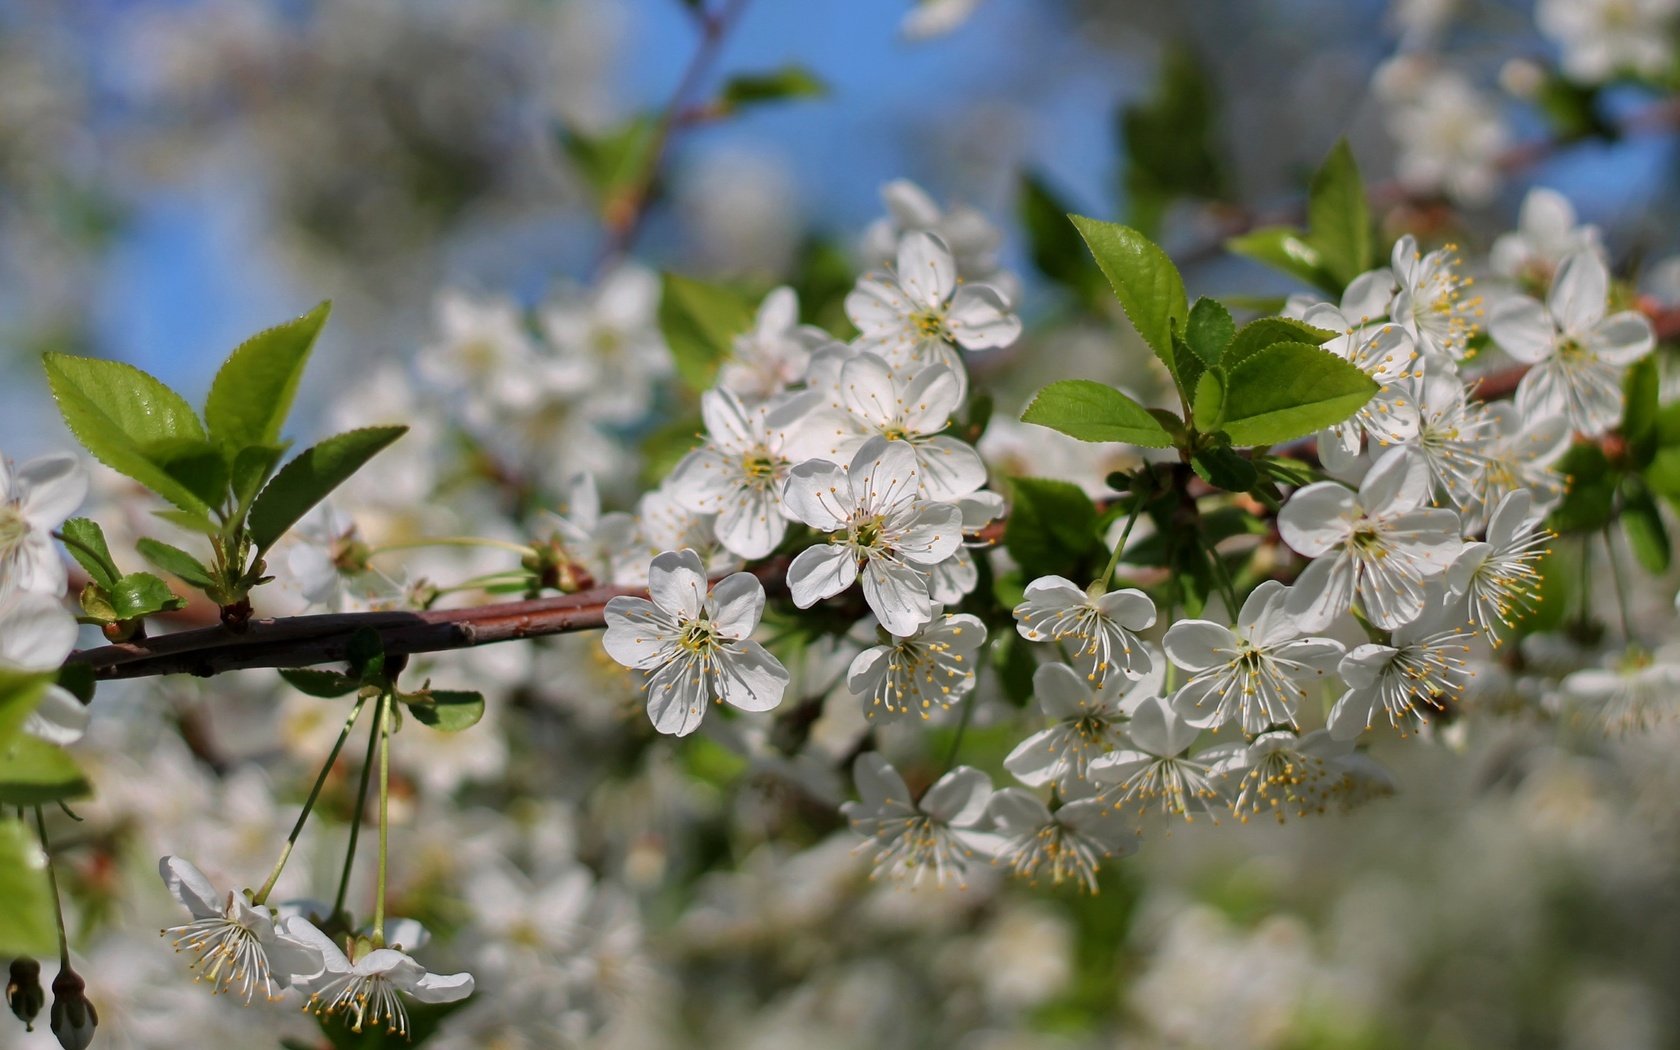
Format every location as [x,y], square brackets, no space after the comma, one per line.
[361,807]
[1621,588]
[962,727]
[384,728]
[52,882]
[1101,585]
[309,804]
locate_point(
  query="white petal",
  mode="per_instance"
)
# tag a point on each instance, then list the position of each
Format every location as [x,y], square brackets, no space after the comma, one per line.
[1323,592]
[868,391]
[1036,760]
[677,697]
[638,633]
[1579,292]
[1317,518]
[1062,692]
[54,487]
[189,886]
[820,572]
[959,797]
[950,469]
[818,494]
[925,269]
[751,679]
[739,601]
[897,594]
[1196,645]
[979,319]
[442,988]
[878,783]
[1522,329]
[677,584]
[58,719]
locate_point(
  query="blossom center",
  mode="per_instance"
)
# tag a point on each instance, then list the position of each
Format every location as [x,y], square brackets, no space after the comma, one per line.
[869,533]
[13,528]
[699,637]
[758,465]
[930,324]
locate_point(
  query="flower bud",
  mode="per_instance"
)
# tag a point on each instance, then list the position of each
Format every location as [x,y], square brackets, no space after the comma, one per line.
[73,1017]
[23,991]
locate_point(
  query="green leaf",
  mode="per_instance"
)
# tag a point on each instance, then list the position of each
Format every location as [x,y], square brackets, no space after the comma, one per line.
[1171,148]
[252,467]
[252,393]
[1052,526]
[1221,467]
[1590,501]
[34,772]
[700,322]
[176,562]
[612,162]
[27,926]
[1144,279]
[1209,331]
[1338,217]
[96,604]
[1642,523]
[1290,390]
[1054,245]
[365,652]
[128,420]
[1208,406]
[1639,418]
[20,691]
[1091,411]
[310,477]
[1284,249]
[1259,334]
[449,710]
[1662,473]
[199,465]
[142,594]
[328,685]
[78,680]
[791,81]
[85,541]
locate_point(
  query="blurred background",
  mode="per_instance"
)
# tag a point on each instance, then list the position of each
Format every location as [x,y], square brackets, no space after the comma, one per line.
[176,174]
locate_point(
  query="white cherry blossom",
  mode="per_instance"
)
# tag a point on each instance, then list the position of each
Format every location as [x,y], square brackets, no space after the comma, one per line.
[1547,232]
[1432,303]
[1068,845]
[738,473]
[1254,673]
[1385,353]
[235,944]
[972,238]
[1151,762]
[694,642]
[1424,666]
[1087,720]
[608,338]
[34,500]
[937,836]
[1499,576]
[1101,630]
[871,400]
[1281,772]
[369,989]
[921,673]
[1377,545]
[1576,352]
[774,353]
[880,529]
[919,314]
[1514,452]
[1601,38]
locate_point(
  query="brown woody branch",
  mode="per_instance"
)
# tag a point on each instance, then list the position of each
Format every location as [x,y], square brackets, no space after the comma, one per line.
[302,641]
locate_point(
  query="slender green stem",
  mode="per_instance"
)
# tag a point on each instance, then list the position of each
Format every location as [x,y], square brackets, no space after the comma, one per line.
[1222,578]
[361,807]
[384,816]
[1102,582]
[520,549]
[309,804]
[1621,588]
[52,882]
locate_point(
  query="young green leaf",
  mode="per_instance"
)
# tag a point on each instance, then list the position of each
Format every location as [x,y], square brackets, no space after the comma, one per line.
[176,562]
[1290,390]
[26,922]
[253,391]
[1221,467]
[252,467]
[34,772]
[448,710]
[1144,279]
[1258,334]
[1090,411]
[1589,503]
[1640,389]
[1284,249]
[127,419]
[308,479]
[1052,526]
[700,322]
[1208,406]
[1053,244]
[1642,523]
[1209,331]
[85,541]
[327,685]
[1338,217]
[142,594]
[611,161]
[792,81]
